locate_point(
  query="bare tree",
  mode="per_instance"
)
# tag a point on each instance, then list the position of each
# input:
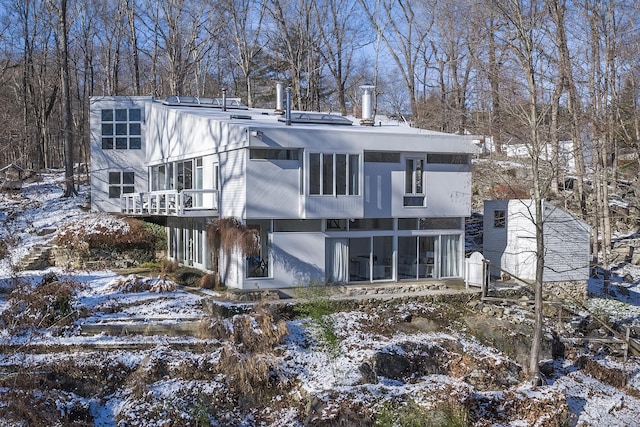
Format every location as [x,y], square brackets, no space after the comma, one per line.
[291,40]
[403,26]
[182,31]
[245,22]
[339,29]
[65,84]
[523,23]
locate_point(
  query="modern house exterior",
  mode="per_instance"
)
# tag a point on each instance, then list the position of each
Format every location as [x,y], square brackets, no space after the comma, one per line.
[332,200]
[509,241]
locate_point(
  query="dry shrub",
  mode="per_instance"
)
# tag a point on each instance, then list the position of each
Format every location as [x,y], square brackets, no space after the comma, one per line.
[134,283]
[251,333]
[245,373]
[548,409]
[45,305]
[41,409]
[209,281]
[246,360]
[107,233]
[227,233]
[168,266]
[4,251]
[612,376]
[510,191]
[149,371]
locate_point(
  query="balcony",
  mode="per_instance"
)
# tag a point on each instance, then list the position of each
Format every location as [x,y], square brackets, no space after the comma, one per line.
[171,203]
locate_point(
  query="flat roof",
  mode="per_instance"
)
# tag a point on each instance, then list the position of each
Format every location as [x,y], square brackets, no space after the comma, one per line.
[266,118]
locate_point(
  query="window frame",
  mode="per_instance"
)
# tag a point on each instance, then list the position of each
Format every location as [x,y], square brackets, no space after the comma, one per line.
[414,182]
[117,129]
[120,182]
[334,174]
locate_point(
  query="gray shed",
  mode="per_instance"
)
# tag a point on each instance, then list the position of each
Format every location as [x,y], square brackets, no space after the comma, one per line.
[509,241]
[11,177]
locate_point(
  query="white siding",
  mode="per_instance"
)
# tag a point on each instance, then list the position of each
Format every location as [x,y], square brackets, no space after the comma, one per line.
[104,161]
[273,188]
[513,247]
[233,184]
[296,259]
[567,246]
[448,195]
[377,189]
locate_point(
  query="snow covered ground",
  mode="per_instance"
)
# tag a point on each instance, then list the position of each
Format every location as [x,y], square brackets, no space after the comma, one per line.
[314,380]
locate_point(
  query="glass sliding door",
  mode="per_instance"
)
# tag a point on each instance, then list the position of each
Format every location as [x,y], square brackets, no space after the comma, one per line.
[337,260]
[382,256]
[407,258]
[450,259]
[426,257]
[360,258]
[416,257]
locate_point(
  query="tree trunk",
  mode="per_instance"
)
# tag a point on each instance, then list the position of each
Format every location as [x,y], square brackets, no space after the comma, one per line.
[65,80]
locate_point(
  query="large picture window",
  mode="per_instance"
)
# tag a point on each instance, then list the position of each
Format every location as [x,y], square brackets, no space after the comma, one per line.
[120,183]
[334,174]
[121,129]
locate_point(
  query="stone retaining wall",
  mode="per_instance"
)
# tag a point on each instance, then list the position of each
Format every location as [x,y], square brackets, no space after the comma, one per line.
[97,259]
[572,290]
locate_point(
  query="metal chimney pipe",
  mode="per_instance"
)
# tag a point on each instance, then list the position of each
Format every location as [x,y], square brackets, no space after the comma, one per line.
[367,105]
[279,101]
[287,115]
[224,99]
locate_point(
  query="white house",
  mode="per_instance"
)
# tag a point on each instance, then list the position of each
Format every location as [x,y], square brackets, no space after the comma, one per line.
[334,201]
[509,241]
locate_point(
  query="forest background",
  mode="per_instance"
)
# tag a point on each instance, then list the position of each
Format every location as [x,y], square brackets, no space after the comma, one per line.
[533,72]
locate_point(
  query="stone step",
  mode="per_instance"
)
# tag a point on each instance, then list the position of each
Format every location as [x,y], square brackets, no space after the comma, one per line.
[37,259]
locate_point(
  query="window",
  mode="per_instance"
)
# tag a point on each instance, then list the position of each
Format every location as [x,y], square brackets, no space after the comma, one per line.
[334,174]
[161,177]
[414,182]
[120,183]
[499,218]
[440,223]
[381,157]
[371,224]
[184,175]
[299,225]
[258,265]
[449,159]
[273,154]
[121,129]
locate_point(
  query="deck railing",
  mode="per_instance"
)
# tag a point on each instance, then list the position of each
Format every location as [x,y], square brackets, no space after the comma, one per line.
[169,202]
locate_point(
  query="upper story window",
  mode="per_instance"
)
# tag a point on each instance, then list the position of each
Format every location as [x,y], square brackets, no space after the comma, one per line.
[273,154]
[334,174]
[499,218]
[120,183]
[414,182]
[121,129]
[381,157]
[448,159]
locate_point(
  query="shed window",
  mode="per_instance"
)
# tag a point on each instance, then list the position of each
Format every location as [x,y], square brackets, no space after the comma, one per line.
[499,218]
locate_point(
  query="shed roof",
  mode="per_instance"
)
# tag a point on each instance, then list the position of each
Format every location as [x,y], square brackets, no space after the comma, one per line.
[12,166]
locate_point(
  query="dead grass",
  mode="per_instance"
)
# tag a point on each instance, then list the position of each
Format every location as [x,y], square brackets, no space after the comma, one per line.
[247,358]
[133,234]
[45,305]
[135,283]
